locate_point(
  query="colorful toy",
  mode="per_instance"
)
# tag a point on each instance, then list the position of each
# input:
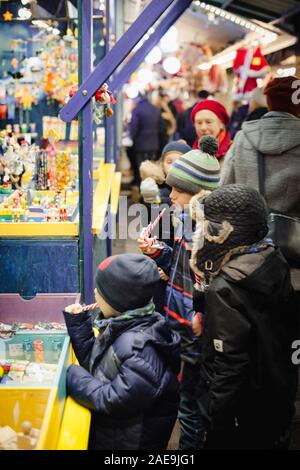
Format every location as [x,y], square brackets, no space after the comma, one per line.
[104,97]
[51,153]
[41,170]
[5,188]
[63,163]
[27,439]
[13,208]
[7,438]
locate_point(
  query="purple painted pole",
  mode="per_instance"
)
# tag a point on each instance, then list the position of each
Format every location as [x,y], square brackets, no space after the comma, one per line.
[114,58]
[108,123]
[108,119]
[86,155]
[115,116]
[174,13]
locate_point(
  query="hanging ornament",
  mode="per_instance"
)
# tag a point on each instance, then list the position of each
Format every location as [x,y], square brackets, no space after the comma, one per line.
[71,93]
[105,97]
[102,102]
[8,16]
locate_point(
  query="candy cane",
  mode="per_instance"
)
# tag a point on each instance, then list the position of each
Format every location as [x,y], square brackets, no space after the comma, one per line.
[90,307]
[153,224]
[147,230]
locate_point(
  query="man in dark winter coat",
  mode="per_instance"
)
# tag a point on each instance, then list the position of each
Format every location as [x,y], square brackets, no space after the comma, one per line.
[128,374]
[248,380]
[144,130]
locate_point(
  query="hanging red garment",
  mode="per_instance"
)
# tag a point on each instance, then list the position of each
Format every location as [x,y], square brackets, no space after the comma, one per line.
[249,64]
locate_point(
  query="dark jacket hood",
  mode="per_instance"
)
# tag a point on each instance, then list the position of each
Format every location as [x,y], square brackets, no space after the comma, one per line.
[266,274]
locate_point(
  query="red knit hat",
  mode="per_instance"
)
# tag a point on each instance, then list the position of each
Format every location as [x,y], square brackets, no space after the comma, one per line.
[279,95]
[213,106]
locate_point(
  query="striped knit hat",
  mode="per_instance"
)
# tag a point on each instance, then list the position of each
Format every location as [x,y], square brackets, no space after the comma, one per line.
[197,169]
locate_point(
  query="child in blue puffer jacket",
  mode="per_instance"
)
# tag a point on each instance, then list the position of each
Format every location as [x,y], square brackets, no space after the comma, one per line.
[127,375]
[193,173]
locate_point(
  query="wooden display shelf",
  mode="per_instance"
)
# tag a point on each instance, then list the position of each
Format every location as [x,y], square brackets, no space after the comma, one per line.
[101,196]
[39,229]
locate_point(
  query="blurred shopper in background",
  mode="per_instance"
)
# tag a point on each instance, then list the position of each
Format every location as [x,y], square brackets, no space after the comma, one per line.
[167,121]
[238,115]
[211,118]
[257,105]
[185,126]
[144,131]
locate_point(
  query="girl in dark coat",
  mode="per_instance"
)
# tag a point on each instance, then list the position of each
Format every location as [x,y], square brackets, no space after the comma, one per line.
[127,375]
[248,379]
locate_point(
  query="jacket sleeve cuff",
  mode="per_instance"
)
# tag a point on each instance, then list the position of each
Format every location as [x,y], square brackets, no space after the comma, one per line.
[75,318]
[156,254]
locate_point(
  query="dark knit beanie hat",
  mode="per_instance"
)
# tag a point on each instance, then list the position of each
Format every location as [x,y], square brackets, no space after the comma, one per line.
[177,146]
[127,281]
[279,93]
[234,216]
[197,169]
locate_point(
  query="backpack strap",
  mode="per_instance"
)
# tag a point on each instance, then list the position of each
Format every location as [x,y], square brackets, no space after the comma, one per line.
[261,173]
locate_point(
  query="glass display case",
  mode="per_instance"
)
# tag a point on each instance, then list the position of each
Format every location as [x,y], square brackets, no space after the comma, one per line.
[34,356]
[32,388]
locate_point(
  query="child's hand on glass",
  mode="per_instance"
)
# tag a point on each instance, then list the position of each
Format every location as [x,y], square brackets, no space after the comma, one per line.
[74,309]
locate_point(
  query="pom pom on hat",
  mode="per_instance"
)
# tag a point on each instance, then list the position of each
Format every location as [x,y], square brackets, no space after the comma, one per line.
[208,144]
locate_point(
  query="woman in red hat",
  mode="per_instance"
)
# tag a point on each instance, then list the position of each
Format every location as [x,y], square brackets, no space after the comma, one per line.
[211,118]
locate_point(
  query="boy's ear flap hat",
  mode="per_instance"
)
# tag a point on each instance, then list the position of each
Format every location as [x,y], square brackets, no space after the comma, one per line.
[232,217]
[127,281]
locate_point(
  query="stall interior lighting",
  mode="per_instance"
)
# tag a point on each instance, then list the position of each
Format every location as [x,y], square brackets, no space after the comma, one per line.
[263,35]
[286,72]
[24,13]
[228,16]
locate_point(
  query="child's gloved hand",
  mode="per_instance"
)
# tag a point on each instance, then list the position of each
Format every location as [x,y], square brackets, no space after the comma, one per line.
[197,324]
[143,244]
[150,191]
[74,309]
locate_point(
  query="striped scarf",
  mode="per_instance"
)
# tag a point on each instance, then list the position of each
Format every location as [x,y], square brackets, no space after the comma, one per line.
[128,315]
